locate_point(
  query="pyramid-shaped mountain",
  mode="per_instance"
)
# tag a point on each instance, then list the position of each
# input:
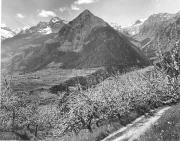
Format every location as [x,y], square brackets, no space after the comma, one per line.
[72,35]
[104,47]
[97,44]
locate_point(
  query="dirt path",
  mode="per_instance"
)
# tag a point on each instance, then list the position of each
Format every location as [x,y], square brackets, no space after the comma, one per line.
[133,131]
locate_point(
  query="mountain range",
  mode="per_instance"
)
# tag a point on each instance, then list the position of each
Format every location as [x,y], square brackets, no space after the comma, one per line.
[53,26]
[155,33]
[86,42]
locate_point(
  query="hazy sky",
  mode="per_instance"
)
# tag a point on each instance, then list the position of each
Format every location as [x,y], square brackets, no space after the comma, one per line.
[21,13]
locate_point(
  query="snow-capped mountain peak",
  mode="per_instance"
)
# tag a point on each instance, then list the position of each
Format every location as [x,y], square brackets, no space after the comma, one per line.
[55,20]
[53,26]
[116,26]
[46,30]
[134,28]
[138,22]
[6,32]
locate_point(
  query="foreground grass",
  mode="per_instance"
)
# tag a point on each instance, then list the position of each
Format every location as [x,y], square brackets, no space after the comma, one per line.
[167,127]
[97,135]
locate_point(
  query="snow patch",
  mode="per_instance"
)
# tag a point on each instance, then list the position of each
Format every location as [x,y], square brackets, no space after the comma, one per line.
[54,20]
[6,33]
[46,30]
[134,29]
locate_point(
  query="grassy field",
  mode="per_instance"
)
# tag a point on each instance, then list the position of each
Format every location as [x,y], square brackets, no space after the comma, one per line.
[46,78]
[167,127]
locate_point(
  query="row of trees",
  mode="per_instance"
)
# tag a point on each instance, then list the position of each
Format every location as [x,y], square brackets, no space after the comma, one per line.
[18,111]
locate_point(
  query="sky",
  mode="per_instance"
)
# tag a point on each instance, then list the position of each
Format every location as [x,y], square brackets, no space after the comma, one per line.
[25,13]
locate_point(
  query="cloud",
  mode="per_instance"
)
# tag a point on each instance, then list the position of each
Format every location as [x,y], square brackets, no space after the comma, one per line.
[19,15]
[79,2]
[3,25]
[74,7]
[44,13]
[68,9]
[62,9]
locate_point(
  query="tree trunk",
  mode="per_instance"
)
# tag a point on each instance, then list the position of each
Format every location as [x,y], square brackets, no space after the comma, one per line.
[119,116]
[89,128]
[97,124]
[36,130]
[76,133]
[82,121]
[13,119]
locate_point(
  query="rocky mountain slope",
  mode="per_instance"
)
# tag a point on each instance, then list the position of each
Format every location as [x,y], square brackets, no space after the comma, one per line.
[168,33]
[33,34]
[160,35]
[73,35]
[151,25]
[29,41]
[105,47]
[156,32]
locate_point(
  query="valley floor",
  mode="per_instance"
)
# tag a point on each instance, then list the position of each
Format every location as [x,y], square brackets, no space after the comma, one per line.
[164,125]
